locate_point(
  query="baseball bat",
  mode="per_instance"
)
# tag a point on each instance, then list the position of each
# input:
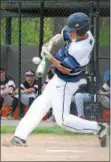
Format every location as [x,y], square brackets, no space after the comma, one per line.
[42,66]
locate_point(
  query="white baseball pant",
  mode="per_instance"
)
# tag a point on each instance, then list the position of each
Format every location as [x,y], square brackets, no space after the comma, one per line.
[57,94]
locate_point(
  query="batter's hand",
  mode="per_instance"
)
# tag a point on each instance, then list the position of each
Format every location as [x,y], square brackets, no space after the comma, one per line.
[42,51]
[53,41]
[45,52]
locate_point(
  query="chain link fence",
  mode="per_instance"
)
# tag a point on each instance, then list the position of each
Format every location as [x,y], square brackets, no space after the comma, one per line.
[27,24]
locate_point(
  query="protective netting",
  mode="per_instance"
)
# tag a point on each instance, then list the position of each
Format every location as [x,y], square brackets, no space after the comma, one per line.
[40,20]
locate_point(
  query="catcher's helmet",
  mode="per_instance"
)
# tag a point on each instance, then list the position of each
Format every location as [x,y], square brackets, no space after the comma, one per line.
[78,22]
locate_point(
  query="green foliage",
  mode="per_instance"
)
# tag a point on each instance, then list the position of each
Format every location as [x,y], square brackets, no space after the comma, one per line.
[3,24]
[104,32]
[15,30]
[31,31]
[48,26]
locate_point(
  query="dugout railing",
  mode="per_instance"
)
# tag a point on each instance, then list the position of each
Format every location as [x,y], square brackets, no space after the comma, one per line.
[47,15]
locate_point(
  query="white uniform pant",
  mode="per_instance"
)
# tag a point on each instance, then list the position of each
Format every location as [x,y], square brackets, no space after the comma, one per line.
[57,94]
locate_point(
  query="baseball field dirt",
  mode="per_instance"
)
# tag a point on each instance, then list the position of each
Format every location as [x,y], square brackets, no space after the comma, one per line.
[56,148]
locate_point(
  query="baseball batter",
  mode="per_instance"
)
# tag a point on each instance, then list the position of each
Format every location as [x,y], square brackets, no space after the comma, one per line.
[69,63]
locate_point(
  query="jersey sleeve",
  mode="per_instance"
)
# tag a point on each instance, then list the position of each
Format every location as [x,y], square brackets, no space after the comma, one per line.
[70,62]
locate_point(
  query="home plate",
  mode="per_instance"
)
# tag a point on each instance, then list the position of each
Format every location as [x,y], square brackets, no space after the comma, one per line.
[63,151]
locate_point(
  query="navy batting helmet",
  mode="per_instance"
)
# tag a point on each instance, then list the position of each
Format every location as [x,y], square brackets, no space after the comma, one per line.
[78,22]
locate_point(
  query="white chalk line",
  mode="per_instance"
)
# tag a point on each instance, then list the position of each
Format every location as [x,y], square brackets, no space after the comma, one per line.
[59,156]
[54,142]
[67,150]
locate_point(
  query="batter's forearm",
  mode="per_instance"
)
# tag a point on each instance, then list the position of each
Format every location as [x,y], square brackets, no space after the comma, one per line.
[56,62]
[59,66]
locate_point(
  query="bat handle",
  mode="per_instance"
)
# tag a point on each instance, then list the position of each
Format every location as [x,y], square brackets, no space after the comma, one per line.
[41,68]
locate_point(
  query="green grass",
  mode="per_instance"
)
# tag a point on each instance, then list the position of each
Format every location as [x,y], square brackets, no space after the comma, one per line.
[42,130]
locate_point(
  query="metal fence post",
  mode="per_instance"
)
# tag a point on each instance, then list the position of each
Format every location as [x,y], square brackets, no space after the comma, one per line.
[0,33]
[50,10]
[8,30]
[92,58]
[97,28]
[19,58]
[41,36]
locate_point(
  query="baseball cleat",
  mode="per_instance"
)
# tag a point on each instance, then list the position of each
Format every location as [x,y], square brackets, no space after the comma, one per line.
[14,142]
[103,135]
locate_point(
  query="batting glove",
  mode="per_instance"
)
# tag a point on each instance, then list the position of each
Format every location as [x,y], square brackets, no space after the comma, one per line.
[46,47]
[45,52]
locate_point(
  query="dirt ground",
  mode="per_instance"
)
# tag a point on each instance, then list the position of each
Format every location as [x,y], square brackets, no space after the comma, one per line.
[56,148]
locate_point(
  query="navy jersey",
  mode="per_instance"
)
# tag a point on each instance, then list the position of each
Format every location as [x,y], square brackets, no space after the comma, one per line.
[75,56]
